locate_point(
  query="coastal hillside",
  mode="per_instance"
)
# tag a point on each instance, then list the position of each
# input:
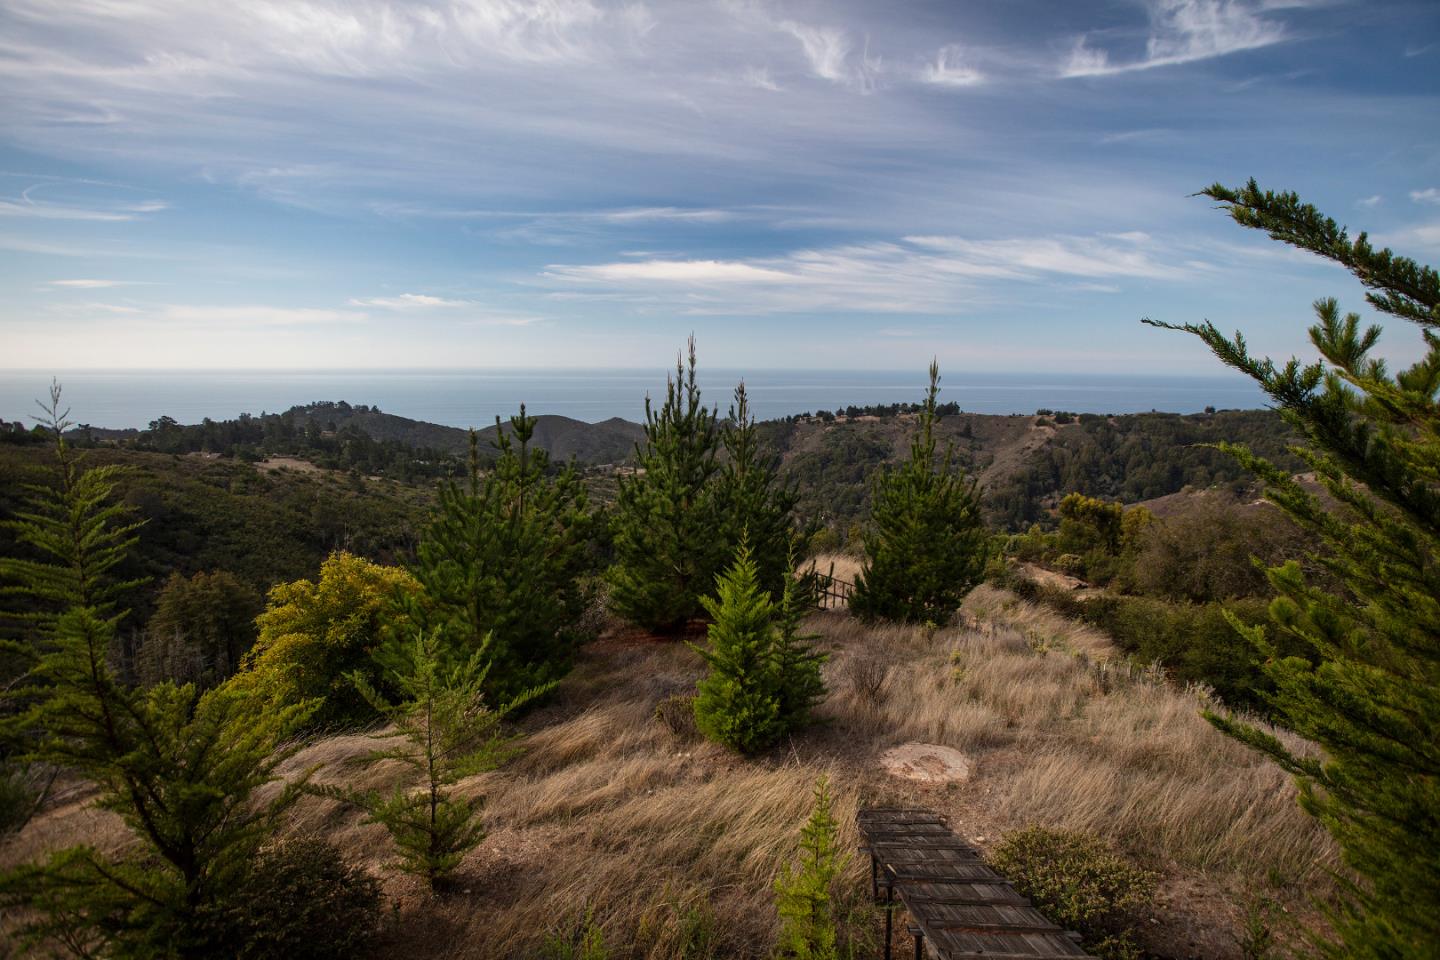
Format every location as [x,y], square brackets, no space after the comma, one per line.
[617,826]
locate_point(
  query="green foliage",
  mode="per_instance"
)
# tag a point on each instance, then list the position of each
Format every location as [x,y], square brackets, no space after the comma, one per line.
[669,537]
[755,506]
[1368,693]
[1215,551]
[203,625]
[300,901]
[1134,457]
[586,941]
[1080,884]
[764,677]
[797,662]
[738,701]
[926,547]
[507,558]
[76,536]
[314,633]
[204,514]
[446,733]
[180,768]
[1088,523]
[802,894]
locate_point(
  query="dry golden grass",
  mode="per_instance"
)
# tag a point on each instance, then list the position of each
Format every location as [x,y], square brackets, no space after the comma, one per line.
[665,840]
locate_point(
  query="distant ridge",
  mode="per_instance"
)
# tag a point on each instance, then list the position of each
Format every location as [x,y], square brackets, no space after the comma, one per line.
[609,441]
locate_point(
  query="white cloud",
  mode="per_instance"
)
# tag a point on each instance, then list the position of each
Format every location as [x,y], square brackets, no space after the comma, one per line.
[1424,237]
[1428,195]
[671,271]
[251,316]
[54,211]
[826,48]
[1370,202]
[828,52]
[86,284]
[920,274]
[759,78]
[406,301]
[1184,31]
[950,69]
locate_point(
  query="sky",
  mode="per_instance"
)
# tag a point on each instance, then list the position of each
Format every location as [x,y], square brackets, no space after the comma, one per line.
[845,185]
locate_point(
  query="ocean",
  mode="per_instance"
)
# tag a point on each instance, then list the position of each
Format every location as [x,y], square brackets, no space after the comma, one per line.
[463,398]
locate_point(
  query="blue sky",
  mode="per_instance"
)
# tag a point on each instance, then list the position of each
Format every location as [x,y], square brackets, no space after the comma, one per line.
[384,183]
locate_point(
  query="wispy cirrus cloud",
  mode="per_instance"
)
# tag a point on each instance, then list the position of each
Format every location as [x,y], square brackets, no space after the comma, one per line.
[1428,195]
[407,301]
[921,274]
[951,68]
[1183,31]
[90,284]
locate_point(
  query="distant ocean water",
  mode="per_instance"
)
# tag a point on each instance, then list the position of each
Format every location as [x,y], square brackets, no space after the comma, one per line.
[463,398]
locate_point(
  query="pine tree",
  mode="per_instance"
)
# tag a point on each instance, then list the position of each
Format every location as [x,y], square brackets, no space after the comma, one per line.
[1368,692]
[507,557]
[180,768]
[764,675]
[925,547]
[755,504]
[807,920]
[797,662]
[669,536]
[738,703]
[447,734]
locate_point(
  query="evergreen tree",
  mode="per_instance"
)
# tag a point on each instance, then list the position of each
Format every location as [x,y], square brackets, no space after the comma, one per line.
[447,734]
[179,767]
[738,701]
[202,626]
[764,676]
[668,529]
[755,504]
[926,546]
[507,557]
[807,920]
[798,663]
[1368,690]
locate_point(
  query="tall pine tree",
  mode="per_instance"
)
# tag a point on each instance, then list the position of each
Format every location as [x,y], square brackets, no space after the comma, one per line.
[925,547]
[668,526]
[507,557]
[757,507]
[181,768]
[1368,690]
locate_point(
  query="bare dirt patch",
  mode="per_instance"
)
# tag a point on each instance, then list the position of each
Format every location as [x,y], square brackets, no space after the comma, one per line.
[926,762]
[270,464]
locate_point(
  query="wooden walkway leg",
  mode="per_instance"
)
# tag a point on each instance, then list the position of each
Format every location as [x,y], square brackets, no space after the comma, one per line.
[889,916]
[919,936]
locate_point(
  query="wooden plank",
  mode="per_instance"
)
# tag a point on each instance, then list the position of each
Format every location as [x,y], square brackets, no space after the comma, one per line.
[960,906]
[955,945]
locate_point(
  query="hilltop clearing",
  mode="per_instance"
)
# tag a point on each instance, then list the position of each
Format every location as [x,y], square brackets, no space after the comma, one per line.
[616,811]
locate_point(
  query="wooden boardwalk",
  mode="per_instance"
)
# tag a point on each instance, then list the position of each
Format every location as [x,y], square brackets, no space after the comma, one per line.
[958,906]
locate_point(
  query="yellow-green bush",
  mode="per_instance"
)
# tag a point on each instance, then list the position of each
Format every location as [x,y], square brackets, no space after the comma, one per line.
[315,632]
[1081,884]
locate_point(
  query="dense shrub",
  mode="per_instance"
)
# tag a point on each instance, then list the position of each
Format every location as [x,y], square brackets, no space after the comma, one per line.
[1081,884]
[313,634]
[1206,552]
[300,901]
